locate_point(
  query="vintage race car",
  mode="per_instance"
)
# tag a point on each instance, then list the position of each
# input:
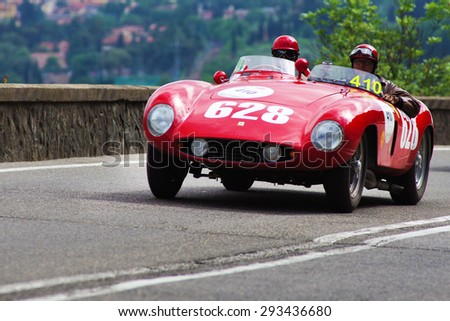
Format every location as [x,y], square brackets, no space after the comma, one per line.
[269,122]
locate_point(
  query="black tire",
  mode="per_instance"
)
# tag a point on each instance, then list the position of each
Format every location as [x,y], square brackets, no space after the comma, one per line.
[414,181]
[237,182]
[344,185]
[165,174]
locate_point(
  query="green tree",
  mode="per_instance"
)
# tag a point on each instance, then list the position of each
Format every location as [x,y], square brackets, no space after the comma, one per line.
[114,60]
[52,65]
[16,62]
[85,68]
[30,13]
[341,25]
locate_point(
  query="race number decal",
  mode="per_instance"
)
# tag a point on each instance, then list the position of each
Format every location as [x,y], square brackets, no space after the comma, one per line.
[246,92]
[367,84]
[410,133]
[249,111]
[389,121]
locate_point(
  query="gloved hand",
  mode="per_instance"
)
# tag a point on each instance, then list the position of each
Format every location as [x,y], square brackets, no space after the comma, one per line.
[391,99]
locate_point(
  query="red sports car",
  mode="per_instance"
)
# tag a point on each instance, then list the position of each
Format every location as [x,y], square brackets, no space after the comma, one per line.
[273,120]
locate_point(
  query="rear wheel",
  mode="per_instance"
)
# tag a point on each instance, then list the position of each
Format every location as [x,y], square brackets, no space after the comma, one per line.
[414,181]
[165,174]
[344,185]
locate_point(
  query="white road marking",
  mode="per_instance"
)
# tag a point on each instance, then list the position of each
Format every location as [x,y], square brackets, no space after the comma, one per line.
[321,241]
[381,241]
[39,284]
[333,238]
[38,168]
[135,284]
[441,147]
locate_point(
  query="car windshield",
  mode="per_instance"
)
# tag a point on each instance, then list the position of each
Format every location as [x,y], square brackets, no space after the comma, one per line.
[346,76]
[264,63]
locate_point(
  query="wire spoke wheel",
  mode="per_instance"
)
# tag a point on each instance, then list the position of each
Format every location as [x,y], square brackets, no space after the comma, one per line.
[414,181]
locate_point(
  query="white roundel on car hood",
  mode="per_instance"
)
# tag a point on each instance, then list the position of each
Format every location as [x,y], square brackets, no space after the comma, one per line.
[246,92]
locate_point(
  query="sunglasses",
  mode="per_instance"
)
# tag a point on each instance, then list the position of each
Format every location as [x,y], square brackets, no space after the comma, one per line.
[365,62]
[289,54]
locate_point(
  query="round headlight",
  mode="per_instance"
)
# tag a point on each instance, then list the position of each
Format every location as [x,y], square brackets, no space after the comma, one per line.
[272,153]
[159,119]
[199,147]
[327,136]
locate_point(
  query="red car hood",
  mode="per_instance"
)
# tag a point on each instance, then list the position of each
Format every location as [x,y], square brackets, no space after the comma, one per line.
[240,123]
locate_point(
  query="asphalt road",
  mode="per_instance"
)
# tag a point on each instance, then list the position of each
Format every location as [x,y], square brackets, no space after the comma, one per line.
[89,229]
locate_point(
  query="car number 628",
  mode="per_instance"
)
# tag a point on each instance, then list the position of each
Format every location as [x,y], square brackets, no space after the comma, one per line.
[248,110]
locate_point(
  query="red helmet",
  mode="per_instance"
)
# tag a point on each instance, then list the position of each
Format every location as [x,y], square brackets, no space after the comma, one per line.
[285,43]
[365,51]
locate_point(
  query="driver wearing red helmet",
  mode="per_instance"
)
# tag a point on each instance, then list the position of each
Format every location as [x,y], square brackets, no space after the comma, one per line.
[285,47]
[365,57]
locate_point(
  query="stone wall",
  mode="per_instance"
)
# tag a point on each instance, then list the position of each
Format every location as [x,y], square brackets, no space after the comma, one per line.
[440,109]
[40,122]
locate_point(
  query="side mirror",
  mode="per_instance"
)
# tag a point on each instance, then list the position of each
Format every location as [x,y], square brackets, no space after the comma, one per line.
[301,65]
[220,77]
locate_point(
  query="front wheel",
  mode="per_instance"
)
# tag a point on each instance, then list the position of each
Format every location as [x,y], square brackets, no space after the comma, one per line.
[344,185]
[415,180]
[165,174]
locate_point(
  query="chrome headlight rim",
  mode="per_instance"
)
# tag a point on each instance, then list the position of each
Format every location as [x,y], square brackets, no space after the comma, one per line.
[327,136]
[160,119]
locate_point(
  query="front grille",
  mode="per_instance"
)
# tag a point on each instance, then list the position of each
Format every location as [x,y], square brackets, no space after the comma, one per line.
[236,150]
